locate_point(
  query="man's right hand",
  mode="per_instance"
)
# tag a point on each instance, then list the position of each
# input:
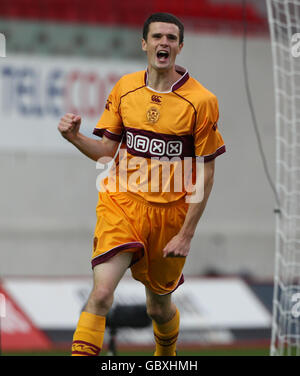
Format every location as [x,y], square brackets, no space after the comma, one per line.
[69,126]
[93,148]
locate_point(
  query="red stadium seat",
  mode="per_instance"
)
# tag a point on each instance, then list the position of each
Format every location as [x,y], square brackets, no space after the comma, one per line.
[129,12]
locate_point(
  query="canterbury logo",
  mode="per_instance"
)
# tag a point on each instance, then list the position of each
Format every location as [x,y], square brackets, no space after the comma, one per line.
[153,146]
[156,98]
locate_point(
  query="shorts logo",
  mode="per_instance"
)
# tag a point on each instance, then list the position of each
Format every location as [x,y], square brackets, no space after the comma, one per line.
[156,98]
[215,126]
[107,105]
[170,284]
[153,146]
[95,243]
[153,115]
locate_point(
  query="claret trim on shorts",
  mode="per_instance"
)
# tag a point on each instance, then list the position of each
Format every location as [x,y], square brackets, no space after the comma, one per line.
[113,251]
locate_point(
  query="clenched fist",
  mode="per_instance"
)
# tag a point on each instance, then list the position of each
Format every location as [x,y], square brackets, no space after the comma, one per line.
[69,126]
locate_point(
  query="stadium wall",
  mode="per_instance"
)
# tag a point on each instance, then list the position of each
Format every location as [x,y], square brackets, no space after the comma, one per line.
[49,194]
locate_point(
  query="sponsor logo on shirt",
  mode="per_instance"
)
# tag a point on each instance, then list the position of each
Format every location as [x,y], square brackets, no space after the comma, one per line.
[153,146]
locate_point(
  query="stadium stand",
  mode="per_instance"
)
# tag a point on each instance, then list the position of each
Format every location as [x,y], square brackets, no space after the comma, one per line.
[108,28]
[131,12]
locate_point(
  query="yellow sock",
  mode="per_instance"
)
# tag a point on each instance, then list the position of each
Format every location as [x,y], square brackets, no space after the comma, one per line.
[89,335]
[166,336]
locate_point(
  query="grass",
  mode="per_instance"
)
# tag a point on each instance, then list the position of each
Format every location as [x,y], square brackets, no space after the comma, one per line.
[181,352]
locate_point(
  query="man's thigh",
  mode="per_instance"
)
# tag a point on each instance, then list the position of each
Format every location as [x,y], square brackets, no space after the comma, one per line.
[110,272]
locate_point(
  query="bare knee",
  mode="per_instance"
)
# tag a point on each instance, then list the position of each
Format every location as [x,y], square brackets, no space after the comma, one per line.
[155,312]
[100,300]
[160,313]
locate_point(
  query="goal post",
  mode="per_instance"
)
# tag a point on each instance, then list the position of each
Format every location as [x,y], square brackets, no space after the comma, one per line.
[284,25]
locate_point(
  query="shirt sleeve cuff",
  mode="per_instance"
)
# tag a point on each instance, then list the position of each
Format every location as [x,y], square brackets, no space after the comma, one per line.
[210,157]
[104,132]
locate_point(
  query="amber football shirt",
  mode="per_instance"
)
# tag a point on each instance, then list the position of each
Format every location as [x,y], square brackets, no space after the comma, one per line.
[160,131]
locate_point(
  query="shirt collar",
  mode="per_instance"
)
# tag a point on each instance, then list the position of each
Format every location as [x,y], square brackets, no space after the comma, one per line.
[184,77]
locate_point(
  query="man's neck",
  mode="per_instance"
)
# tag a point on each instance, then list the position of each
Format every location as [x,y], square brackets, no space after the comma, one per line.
[162,80]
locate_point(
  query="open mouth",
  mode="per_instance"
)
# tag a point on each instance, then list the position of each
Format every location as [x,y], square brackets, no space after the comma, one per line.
[162,55]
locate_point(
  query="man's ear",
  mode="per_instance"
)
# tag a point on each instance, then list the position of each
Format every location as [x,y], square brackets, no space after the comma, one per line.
[144,45]
[180,48]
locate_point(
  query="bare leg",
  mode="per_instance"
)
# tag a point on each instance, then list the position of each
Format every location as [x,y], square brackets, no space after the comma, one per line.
[165,321]
[160,307]
[89,333]
[106,278]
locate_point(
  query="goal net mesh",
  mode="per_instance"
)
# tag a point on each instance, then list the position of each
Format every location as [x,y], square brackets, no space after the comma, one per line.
[284,24]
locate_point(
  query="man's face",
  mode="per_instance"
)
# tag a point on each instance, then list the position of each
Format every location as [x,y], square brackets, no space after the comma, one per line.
[162,45]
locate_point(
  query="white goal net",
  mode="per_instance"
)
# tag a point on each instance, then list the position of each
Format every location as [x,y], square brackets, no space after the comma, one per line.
[284,23]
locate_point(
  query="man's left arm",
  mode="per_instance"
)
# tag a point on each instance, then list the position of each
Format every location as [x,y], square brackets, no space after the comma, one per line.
[180,244]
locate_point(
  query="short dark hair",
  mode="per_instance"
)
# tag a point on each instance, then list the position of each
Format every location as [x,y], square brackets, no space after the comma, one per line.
[163,17]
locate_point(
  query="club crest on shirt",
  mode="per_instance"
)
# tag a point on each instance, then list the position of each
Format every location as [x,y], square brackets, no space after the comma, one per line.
[153,115]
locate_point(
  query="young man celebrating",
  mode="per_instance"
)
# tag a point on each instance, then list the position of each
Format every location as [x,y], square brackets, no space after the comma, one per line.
[159,114]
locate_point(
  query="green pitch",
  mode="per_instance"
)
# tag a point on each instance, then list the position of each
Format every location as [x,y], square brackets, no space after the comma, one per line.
[185,352]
